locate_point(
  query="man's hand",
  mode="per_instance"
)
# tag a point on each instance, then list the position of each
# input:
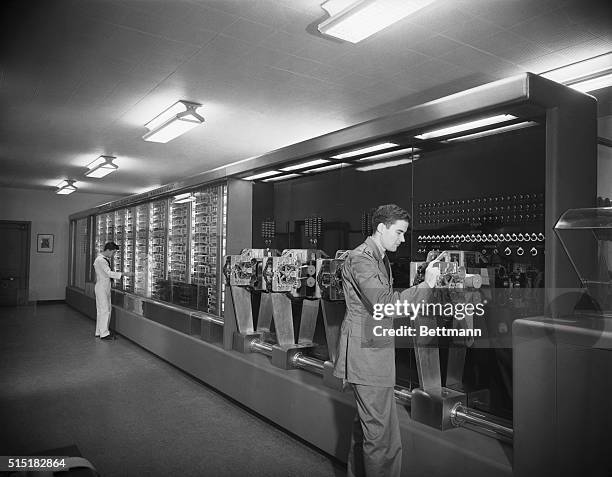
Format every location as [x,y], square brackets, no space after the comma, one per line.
[432,272]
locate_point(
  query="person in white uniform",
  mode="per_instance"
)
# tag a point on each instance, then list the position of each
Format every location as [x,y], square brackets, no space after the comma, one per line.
[104,274]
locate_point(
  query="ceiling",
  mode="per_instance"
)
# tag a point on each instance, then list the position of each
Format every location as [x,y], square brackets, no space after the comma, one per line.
[80,78]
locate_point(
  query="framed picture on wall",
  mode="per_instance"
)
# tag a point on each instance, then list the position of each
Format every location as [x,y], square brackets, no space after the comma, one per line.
[44,243]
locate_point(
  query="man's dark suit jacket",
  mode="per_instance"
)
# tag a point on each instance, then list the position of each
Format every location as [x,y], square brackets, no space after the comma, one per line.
[362,357]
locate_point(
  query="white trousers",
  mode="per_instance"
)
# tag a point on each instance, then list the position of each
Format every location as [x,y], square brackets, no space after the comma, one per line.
[103,308]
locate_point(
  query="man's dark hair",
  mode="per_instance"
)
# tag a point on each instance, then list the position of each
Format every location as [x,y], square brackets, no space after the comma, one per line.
[111,246]
[388,214]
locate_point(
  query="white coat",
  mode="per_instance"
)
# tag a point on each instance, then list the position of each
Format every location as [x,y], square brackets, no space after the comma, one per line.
[103,294]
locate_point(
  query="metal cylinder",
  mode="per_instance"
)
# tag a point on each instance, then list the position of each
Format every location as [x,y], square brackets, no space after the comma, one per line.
[402,394]
[461,415]
[258,346]
[302,361]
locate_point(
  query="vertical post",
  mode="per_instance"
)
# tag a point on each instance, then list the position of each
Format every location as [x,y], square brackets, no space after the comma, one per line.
[571,182]
[239,220]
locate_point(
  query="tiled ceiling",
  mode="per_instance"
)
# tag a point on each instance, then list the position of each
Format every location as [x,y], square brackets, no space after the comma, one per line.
[80,78]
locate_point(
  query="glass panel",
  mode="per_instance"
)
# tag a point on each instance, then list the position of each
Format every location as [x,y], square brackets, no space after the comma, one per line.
[223,251]
[158,236]
[128,249]
[80,253]
[172,248]
[586,235]
[482,200]
[141,258]
[119,239]
[208,235]
[182,291]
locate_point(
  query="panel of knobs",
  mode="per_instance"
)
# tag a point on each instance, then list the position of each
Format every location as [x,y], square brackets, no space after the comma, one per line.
[484,238]
[501,209]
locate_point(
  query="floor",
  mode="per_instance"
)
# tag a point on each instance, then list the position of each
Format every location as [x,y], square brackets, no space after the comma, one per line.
[129,412]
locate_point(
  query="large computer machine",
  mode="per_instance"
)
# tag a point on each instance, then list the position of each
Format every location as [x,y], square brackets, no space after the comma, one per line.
[248,297]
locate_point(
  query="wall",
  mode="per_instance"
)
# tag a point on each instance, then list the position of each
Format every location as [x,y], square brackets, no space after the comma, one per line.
[48,213]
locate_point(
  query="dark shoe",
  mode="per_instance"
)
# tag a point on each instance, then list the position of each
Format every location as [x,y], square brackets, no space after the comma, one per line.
[108,337]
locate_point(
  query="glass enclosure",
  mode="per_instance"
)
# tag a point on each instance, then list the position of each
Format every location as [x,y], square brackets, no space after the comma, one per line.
[586,235]
[171,246]
[481,199]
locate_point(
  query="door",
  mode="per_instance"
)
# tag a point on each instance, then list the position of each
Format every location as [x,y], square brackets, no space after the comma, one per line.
[14,262]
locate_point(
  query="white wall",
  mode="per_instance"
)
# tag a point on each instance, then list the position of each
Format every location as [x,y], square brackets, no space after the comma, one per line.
[48,213]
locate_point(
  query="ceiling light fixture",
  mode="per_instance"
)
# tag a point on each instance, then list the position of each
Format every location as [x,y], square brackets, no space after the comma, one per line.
[385,165]
[101,167]
[466,126]
[587,75]
[491,132]
[262,175]
[365,150]
[355,20]
[592,84]
[179,118]
[385,155]
[281,178]
[66,187]
[303,165]
[331,167]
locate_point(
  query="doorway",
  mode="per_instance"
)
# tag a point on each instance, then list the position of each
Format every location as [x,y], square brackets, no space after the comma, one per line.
[14,262]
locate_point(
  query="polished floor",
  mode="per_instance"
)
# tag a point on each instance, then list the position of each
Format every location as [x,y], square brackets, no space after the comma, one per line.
[128,412]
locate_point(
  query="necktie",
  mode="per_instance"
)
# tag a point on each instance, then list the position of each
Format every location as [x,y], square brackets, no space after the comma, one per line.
[387,265]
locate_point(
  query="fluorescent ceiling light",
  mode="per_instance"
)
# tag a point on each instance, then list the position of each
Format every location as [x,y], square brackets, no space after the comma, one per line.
[490,132]
[179,118]
[183,198]
[101,167]
[262,175]
[466,126]
[365,150]
[303,165]
[385,155]
[281,178]
[355,20]
[592,84]
[337,165]
[66,187]
[97,162]
[580,70]
[384,165]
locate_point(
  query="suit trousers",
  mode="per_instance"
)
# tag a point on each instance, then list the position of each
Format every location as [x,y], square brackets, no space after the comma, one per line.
[376,445]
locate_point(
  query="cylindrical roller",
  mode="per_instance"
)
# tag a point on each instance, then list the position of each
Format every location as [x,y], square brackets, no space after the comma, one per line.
[461,415]
[300,360]
[261,347]
[402,394]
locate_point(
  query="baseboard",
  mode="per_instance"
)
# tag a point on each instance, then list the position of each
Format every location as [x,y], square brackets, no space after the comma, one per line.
[47,302]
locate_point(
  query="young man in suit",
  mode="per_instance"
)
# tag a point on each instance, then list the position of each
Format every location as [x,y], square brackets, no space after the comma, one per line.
[367,361]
